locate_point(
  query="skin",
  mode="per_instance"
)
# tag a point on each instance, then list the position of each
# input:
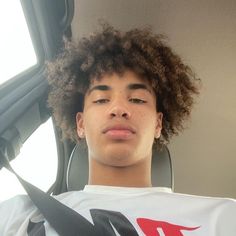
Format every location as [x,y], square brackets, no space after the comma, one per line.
[119,123]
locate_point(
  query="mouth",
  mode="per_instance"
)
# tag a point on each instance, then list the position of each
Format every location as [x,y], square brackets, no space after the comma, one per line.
[119,132]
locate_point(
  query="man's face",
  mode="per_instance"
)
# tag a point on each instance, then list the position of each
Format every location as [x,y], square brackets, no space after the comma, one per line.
[119,120]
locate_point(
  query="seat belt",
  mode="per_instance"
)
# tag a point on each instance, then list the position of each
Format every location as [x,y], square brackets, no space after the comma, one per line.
[63,219]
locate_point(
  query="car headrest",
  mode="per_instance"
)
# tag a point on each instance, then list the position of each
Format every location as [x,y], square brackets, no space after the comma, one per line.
[77,171]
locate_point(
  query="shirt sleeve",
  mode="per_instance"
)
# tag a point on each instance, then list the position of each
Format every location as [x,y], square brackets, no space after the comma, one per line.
[12,214]
[226,224]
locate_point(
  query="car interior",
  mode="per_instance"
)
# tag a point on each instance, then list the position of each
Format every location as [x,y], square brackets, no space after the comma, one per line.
[28,103]
[23,98]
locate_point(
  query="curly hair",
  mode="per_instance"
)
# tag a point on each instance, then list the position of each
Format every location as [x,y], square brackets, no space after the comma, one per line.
[114,51]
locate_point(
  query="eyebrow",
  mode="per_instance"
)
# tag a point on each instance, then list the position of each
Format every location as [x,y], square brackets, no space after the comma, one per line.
[100,88]
[138,86]
[129,87]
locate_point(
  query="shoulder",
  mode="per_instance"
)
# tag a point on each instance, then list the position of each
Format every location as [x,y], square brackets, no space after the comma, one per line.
[209,199]
[223,208]
[19,202]
[14,211]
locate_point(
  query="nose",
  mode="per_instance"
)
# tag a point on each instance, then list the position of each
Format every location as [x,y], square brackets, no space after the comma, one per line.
[119,111]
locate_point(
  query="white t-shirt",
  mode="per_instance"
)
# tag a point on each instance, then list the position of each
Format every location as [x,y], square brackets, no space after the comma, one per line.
[128,211]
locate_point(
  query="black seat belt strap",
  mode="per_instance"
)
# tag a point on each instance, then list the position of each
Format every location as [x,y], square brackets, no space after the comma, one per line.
[63,219]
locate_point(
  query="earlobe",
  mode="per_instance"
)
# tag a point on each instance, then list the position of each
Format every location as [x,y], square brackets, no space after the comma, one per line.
[80,125]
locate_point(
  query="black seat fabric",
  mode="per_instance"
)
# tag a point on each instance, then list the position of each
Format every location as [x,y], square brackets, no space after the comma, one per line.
[77,172]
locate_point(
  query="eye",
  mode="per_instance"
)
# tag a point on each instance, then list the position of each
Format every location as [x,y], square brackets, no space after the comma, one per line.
[137,100]
[101,101]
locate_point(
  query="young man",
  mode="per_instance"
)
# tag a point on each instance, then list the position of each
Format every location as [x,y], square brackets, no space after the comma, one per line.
[124,93]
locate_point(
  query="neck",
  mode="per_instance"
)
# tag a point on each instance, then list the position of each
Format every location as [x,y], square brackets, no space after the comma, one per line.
[136,175]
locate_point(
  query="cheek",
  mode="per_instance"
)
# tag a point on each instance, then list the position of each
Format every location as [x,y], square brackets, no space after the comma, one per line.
[148,123]
[92,123]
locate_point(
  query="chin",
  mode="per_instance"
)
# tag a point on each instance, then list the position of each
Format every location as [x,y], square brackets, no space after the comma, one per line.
[120,158]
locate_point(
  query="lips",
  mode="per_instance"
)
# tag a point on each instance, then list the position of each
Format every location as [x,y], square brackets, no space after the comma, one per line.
[119,127]
[119,132]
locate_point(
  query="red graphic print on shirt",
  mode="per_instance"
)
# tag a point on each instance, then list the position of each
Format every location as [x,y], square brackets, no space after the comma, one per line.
[151,228]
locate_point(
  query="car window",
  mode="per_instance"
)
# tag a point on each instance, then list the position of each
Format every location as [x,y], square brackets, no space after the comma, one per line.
[17,52]
[36,163]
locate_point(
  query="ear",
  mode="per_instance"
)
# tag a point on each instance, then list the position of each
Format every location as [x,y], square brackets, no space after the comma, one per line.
[159,125]
[80,124]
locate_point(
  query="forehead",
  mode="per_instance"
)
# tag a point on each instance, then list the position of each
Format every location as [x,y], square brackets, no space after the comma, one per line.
[115,80]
